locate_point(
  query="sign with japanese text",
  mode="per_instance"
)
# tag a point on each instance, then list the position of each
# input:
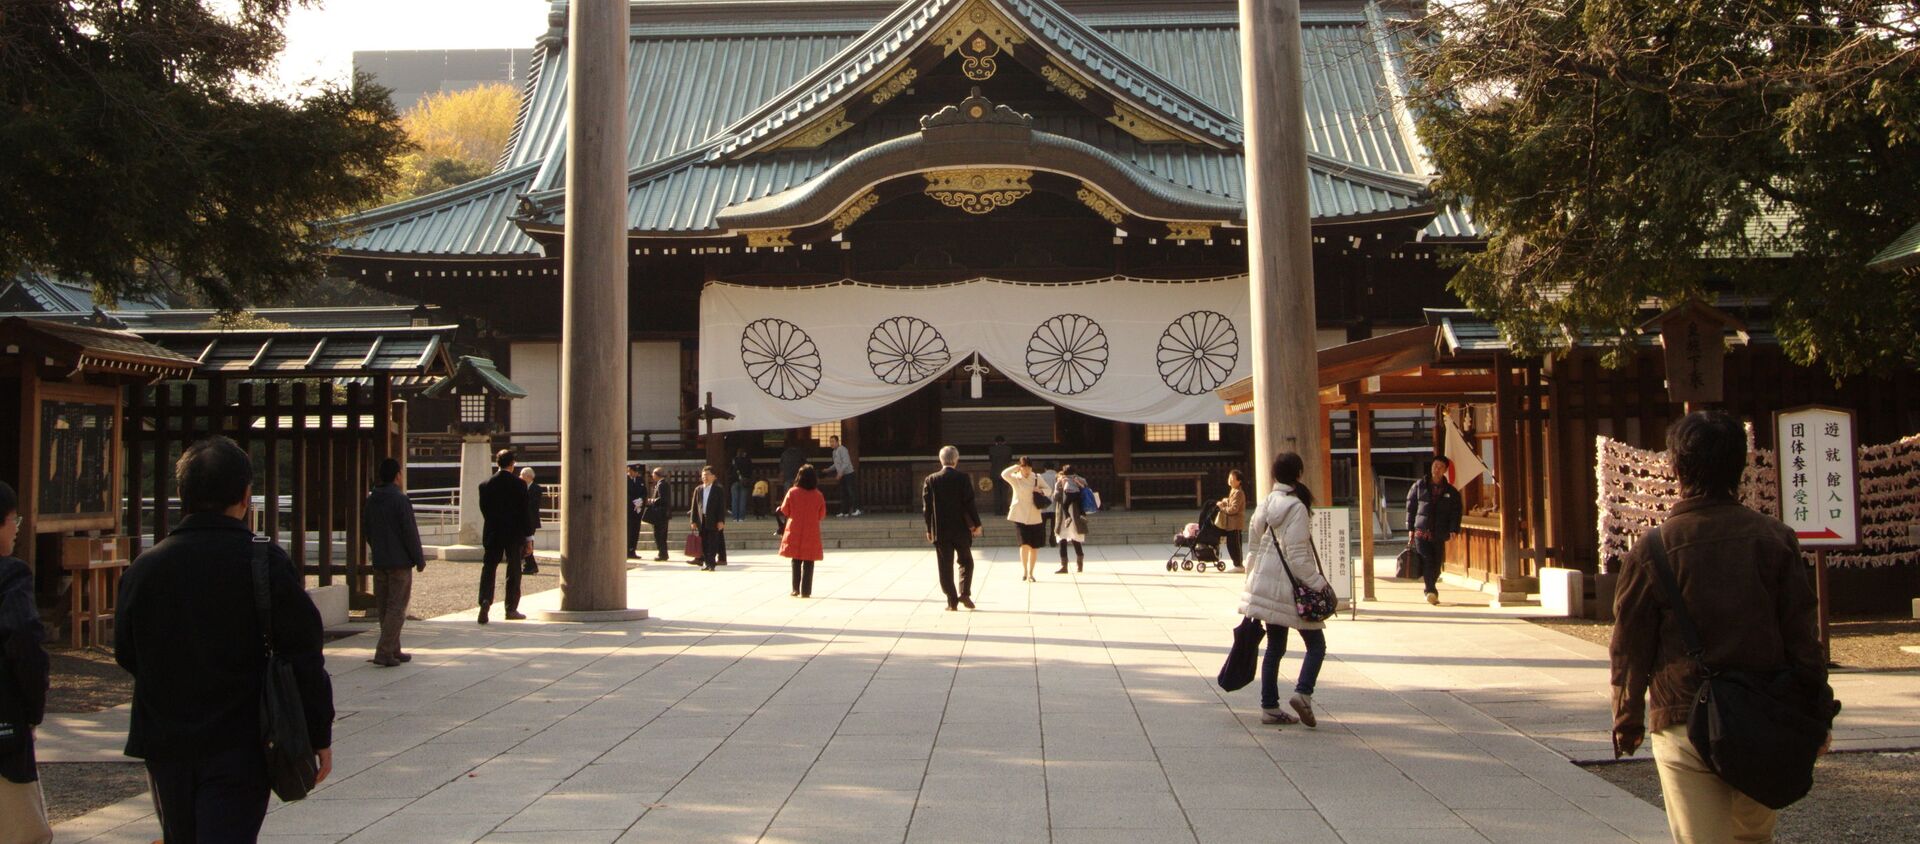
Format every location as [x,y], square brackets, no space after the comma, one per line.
[1696,354]
[1333,539]
[1819,476]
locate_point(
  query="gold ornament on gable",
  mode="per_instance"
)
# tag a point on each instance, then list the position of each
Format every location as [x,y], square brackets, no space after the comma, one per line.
[1189,231]
[855,210]
[821,132]
[893,85]
[770,237]
[1141,126]
[979,191]
[1064,82]
[1101,204]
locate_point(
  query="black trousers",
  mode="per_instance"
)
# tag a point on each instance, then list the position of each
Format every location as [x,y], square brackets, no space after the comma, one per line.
[948,553]
[1430,562]
[215,798]
[1046,524]
[1079,552]
[633,535]
[1233,547]
[849,494]
[660,540]
[803,577]
[713,547]
[496,552]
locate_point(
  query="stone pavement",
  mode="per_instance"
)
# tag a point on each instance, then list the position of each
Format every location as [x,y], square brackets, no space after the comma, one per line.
[1080,708]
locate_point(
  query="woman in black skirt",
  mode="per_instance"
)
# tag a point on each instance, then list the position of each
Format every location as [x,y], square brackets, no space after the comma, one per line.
[1024,512]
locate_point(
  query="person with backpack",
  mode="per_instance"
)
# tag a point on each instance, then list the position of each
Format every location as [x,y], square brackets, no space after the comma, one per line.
[1071,528]
[1283,555]
[1743,597]
[24,678]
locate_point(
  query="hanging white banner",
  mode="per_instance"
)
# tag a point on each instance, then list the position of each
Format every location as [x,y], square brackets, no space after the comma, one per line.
[1124,349]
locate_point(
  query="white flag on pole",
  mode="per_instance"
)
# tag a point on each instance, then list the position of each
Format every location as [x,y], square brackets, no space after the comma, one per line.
[1466,464]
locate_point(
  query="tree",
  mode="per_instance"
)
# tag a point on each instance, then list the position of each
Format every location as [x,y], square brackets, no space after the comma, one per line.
[458,136]
[142,153]
[1626,149]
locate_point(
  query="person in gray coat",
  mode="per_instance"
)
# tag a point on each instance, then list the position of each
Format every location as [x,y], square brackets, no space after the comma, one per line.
[394,537]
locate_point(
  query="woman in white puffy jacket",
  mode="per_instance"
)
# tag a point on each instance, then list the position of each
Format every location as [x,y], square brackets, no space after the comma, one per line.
[1284,515]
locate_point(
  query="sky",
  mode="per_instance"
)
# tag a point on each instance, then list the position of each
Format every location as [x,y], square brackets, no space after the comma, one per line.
[322,38]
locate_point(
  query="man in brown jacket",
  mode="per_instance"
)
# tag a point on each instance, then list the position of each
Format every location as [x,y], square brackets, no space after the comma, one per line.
[1745,585]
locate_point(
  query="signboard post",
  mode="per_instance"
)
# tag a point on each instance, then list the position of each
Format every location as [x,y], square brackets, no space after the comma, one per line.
[1819,485]
[1333,539]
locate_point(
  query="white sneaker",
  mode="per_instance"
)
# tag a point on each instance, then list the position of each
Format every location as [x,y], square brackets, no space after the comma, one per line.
[859,512]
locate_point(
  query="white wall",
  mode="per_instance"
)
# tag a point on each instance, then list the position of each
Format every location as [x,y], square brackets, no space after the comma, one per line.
[535,367]
[654,370]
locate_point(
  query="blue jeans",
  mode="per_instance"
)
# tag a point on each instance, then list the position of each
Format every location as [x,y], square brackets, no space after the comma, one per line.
[1309,666]
[739,501]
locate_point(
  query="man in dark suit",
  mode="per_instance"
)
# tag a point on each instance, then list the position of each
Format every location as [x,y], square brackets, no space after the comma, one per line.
[503,507]
[656,509]
[636,492]
[946,501]
[707,516]
[536,497]
[187,631]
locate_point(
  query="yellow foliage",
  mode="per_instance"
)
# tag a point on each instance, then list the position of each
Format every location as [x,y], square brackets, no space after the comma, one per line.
[473,124]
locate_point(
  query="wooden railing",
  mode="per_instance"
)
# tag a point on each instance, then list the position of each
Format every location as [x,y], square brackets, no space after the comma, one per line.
[539,446]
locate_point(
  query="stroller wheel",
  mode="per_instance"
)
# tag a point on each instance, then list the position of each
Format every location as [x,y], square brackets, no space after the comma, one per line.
[1187,564]
[1171,565]
[1219,565]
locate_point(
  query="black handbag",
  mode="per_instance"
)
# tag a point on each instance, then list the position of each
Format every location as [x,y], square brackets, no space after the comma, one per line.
[291,766]
[1760,730]
[1407,565]
[1237,671]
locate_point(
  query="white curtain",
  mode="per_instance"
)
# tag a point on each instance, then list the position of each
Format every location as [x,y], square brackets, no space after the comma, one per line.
[1124,349]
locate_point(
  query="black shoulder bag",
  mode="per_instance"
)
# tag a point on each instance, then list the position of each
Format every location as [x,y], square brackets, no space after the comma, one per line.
[291,767]
[1760,730]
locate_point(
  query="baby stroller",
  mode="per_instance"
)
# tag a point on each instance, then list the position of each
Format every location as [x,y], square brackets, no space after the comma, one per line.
[1197,545]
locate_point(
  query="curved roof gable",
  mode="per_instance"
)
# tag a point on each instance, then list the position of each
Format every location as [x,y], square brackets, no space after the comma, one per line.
[879,63]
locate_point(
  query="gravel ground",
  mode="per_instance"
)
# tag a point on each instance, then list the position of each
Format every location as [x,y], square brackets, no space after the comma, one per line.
[87,680]
[1868,642]
[1857,797]
[76,788]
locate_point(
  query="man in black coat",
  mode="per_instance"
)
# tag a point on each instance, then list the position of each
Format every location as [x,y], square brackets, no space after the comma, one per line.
[536,498]
[393,536]
[946,502]
[503,507]
[657,509]
[707,516]
[1433,517]
[187,630]
[24,677]
[636,513]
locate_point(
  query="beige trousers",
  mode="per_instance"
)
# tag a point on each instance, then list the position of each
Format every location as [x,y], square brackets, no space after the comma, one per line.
[23,813]
[1701,807]
[392,589]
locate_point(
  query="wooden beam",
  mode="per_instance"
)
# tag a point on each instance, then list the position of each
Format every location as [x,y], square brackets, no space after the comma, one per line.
[1363,428]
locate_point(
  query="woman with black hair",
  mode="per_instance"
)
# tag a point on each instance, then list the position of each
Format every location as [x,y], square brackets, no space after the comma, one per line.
[803,508]
[1024,512]
[24,677]
[1282,534]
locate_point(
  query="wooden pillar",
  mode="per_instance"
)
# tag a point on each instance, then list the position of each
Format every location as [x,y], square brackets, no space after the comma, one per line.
[1325,455]
[136,450]
[596,338]
[270,430]
[1123,448]
[302,483]
[324,485]
[26,486]
[1279,238]
[1363,429]
[1507,430]
[850,437]
[1536,460]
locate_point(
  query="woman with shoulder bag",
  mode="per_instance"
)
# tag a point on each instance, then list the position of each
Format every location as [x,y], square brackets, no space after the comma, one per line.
[1230,516]
[1283,559]
[1024,512]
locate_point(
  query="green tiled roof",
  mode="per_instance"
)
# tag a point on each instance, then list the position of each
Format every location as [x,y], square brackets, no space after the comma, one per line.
[1902,254]
[706,86]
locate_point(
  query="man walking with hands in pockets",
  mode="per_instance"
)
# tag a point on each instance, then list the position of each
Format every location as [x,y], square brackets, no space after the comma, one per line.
[946,502]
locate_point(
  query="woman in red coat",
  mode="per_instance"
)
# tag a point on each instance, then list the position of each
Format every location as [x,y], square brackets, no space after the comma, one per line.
[804,507]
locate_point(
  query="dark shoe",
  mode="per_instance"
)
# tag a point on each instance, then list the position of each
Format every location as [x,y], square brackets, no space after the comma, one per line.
[1063,569]
[1080,566]
[795,593]
[707,567]
[952,605]
[695,562]
[483,615]
[1303,704]
[515,615]
[530,568]
[403,657]
[968,602]
[384,662]
[806,595]
[1433,598]
[660,560]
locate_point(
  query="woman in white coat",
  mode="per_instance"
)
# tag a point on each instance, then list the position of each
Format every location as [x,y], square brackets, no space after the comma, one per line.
[1024,512]
[1284,515]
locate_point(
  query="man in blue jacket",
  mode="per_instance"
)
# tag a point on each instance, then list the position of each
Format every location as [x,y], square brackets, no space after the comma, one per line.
[394,538]
[23,688]
[187,630]
[1433,517]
